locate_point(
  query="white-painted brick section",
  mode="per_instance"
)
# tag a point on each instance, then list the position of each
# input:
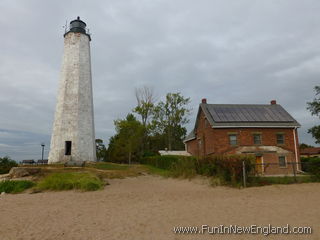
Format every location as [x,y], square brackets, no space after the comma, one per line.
[74,110]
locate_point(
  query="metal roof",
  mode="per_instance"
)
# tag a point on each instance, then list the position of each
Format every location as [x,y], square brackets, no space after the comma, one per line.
[248,115]
[245,115]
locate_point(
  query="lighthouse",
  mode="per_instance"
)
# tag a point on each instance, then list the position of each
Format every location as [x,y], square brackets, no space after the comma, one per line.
[73,134]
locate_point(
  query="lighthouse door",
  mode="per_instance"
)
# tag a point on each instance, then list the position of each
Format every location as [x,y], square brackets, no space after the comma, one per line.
[68,146]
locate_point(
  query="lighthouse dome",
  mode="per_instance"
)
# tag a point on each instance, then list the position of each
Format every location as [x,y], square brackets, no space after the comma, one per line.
[78,25]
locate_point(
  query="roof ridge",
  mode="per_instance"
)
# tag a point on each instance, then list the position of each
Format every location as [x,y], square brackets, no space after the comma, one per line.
[238,104]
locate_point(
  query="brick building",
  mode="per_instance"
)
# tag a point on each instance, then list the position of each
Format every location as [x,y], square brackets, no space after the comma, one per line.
[310,152]
[268,132]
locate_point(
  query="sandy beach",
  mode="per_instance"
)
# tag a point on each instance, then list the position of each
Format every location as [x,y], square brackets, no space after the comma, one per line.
[149,207]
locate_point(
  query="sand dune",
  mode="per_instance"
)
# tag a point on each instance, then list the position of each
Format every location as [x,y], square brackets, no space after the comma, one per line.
[149,207]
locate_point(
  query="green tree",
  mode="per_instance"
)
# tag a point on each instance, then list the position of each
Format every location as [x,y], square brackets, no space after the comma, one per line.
[112,150]
[314,108]
[304,145]
[101,150]
[125,145]
[145,107]
[6,164]
[169,118]
[145,103]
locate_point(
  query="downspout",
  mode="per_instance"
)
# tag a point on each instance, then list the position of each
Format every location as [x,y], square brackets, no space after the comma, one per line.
[295,147]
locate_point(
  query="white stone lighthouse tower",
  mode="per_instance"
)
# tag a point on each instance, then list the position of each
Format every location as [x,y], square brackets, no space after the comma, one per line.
[73,136]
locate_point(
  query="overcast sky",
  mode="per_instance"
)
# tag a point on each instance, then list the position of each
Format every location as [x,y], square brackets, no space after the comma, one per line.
[236,51]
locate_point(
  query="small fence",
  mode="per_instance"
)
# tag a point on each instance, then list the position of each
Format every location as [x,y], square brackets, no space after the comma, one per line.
[292,169]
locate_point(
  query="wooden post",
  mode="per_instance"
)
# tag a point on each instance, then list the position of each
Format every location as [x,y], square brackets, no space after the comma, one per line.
[244,173]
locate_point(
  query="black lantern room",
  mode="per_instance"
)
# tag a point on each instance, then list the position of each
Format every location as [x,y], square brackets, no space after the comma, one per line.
[78,26]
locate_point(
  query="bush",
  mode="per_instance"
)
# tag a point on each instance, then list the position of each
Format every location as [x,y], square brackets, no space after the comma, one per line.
[9,186]
[6,164]
[311,165]
[226,168]
[184,167]
[178,166]
[149,154]
[262,181]
[72,180]
[163,162]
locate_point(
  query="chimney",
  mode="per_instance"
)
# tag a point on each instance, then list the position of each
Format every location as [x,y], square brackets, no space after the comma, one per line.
[204,100]
[273,102]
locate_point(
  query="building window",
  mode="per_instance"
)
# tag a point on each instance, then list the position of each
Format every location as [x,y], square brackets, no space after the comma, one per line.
[68,145]
[233,139]
[280,138]
[257,138]
[282,161]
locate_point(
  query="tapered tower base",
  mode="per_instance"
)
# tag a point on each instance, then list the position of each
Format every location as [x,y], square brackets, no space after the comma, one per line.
[73,137]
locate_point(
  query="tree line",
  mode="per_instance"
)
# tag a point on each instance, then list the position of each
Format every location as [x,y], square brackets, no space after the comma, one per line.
[314,108]
[151,126]
[157,125]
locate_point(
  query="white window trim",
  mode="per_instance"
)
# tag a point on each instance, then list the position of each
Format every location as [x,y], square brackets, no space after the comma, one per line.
[285,160]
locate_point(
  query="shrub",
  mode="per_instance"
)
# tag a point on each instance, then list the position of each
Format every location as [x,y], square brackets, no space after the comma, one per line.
[71,180]
[262,181]
[6,164]
[311,165]
[163,162]
[314,167]
[149,154]
[228,168]
[10,186]
[184,167]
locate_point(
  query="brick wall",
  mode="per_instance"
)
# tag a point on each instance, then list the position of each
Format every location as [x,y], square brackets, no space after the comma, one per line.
[192,148]
[216,141]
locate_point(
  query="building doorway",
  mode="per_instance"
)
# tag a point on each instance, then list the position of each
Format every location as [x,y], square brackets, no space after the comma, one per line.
[259,164]
[68,146]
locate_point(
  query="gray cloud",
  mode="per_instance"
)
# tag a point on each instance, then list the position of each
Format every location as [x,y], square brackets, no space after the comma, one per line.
[229,52]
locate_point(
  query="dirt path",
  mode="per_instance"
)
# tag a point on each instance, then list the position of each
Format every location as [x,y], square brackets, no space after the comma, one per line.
[149,207]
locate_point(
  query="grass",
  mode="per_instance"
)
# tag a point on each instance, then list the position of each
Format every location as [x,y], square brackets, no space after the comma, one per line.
[100,169]
[83,181]
[113,170]
[108,166]
[218,181]
[89,178]
[12,186]
[157,171]
[261,181]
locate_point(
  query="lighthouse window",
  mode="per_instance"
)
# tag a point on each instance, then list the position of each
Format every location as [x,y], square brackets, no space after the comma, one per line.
[68,148]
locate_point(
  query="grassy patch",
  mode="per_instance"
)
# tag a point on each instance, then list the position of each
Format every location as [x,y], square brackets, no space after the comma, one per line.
[108,166]
[262,181]
[101,169]
[11,186]
[157,171]
[71,180]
